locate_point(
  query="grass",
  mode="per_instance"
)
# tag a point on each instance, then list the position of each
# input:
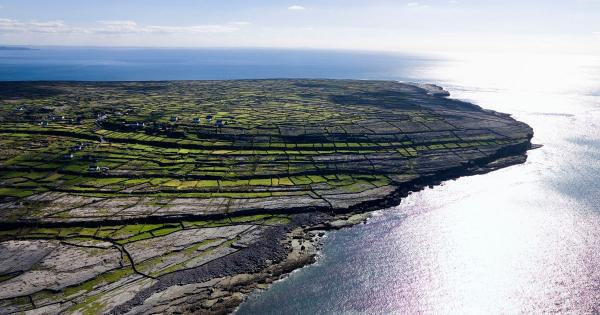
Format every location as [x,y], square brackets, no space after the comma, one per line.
[258,140]
[15,192]
[108,277]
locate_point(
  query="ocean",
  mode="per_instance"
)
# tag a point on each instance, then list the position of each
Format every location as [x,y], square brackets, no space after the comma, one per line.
[131,64]
[524,239]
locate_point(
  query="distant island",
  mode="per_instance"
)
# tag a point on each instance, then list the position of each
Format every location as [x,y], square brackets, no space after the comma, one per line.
[185,196]
[15,48]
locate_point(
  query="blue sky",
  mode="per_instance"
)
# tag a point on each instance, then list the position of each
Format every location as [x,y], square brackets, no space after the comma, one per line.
[435,25]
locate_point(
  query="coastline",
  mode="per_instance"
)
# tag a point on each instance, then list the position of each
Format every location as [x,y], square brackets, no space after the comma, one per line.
[302,242]
[270,238]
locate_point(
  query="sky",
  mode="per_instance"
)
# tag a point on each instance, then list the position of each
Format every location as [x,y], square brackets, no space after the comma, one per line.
[380,25]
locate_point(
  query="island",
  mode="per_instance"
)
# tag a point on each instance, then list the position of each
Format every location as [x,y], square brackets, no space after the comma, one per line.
[15,48]
[185,196]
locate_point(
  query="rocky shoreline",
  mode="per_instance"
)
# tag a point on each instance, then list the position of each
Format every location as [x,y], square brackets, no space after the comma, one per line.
[221,289]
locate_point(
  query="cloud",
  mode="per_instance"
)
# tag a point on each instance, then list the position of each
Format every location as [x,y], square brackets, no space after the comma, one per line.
[417,5]
[296,7]
[240,23]
[128,27]
[15,26]
[111,27]
[190,29]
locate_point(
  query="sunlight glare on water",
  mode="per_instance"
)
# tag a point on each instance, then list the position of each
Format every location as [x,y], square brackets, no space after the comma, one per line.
[524,239]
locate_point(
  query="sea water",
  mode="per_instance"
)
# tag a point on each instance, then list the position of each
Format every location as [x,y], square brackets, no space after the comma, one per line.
[127,64]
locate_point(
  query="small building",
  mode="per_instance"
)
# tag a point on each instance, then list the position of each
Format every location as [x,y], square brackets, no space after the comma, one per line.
[209,117]
[196,120]
[68,156]
[219,123]
[76,148]
[174,118]
[135,125]
[44,123]
[93,168]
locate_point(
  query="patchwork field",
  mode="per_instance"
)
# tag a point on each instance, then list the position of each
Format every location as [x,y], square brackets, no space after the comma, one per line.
[113,192]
